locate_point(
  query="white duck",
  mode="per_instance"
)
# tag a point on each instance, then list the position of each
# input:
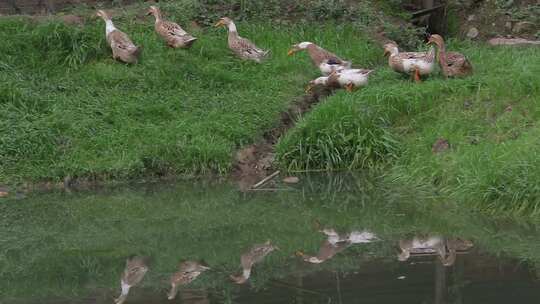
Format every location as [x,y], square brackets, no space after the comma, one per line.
[350,79]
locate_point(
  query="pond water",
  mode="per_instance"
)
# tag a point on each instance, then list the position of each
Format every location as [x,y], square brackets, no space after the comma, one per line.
[349,238]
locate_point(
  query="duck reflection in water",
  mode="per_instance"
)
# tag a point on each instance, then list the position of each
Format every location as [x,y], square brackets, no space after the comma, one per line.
[445,249]
[187,272]
[136,268]
[254,255]
[336,242]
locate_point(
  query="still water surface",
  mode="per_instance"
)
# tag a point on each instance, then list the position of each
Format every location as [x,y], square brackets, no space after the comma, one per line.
[346,238]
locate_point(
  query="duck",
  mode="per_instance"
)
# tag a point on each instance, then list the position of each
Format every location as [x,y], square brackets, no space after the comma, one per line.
[327,250]
[353,237]
[122,47]
[241,47]
[326,61]
[421,245]
[453,246]
[187,272]
[415,64]
[254,255]
[136,268]
[174,34]
[332,236]
[334,243]
[453,64]
[361,237]
[350,79]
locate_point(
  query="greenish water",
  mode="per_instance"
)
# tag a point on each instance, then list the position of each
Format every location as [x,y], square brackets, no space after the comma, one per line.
[72,247]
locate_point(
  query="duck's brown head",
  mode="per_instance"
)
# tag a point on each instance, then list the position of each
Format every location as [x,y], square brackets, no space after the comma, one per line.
[103,14]
[436,39]
[390,49]
[153,10]
[225,21]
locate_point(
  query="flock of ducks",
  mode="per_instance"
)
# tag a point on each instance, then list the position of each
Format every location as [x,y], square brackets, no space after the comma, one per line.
[445,248]
[337,73]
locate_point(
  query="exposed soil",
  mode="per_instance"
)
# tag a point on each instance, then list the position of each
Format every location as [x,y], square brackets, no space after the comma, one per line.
[254,162]
[491,20]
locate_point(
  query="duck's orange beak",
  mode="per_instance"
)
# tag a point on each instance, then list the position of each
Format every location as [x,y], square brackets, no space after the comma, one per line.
[386,53]
[309,88]
[290,52]
[349,87]
[219,23]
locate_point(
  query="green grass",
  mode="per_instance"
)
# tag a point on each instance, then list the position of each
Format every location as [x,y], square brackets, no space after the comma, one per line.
[69,109]
[494,148]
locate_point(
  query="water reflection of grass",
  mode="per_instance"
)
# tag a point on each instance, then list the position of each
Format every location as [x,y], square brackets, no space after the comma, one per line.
[57,244]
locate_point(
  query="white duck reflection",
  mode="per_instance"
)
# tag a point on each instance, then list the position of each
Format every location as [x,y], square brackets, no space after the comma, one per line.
[445,249]
[336,242]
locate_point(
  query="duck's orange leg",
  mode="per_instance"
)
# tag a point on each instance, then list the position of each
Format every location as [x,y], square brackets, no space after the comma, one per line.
[349,87]
[417,76]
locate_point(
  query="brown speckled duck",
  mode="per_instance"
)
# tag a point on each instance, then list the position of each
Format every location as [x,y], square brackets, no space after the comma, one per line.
[122,47]
[187,272]
[453,64]
[174,34]
[256,254]
[241,47]
[415,64]
[326,61]
[136,268]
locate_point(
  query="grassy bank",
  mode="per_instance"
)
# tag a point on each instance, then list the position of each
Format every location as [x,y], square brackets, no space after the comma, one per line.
[489,119]
[69,109]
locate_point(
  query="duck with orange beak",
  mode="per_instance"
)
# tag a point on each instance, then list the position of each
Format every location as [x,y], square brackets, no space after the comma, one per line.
[173,34]
[326,61]
[241,47]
